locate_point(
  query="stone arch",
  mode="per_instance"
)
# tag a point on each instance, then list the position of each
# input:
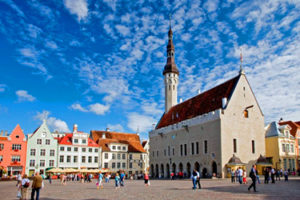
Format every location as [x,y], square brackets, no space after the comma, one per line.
[152,171]
[162,171]
[188,169]
[204,172]
[197,166]
[168,171]
[156,171]
[180,166]
[174,168]
[214,168]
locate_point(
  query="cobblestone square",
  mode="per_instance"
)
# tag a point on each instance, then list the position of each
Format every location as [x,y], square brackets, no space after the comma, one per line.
[161,189]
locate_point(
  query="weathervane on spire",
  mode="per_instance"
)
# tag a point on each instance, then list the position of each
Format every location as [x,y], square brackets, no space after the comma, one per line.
[241,60]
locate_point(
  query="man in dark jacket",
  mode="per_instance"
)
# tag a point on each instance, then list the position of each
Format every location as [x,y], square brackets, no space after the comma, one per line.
[253,178]
[36,186]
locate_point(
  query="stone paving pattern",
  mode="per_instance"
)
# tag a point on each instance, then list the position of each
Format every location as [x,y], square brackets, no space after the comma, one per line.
[161,189]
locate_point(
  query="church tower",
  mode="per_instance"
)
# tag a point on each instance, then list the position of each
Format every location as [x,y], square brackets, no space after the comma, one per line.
[171,74]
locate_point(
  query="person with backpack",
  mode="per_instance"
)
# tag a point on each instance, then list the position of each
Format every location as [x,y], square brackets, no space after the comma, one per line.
[194,178]
[252,175]
[24,187]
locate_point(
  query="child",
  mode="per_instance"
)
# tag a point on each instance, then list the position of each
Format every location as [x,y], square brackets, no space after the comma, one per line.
[245,177]
[117,180]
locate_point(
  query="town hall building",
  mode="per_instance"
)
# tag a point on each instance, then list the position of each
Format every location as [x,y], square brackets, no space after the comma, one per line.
[205,132]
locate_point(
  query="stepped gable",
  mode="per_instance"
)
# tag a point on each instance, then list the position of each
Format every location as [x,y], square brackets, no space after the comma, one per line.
[132,140]
[67,140]
[203,103]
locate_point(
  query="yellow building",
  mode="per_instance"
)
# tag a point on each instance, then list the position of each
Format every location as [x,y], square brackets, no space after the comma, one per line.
[280,147]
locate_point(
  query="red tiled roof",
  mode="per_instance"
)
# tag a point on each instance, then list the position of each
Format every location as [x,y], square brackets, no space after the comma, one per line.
[67,140]
[298,123]
[132,140]
[203,103]
[144,143]
[3,138]
[294,126]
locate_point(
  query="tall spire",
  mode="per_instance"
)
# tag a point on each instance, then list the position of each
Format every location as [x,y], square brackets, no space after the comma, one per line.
[241,60]
[170,67]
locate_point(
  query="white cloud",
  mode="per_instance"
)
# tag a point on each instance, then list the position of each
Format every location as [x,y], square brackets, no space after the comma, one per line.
[98,109]
[51,45]
[24,96]
[115,127]
[2,87]
[143,123]
[77,7]
[211,5]
[52,122]
[77,106]
[123,30]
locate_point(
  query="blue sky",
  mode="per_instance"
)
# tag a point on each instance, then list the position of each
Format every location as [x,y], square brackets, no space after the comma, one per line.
[99,63]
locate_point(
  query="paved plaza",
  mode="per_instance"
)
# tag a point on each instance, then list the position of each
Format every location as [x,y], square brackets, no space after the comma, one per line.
[161,189]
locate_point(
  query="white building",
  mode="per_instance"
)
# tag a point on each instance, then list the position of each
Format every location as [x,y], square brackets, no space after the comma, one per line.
[121,151]
[205,131]
[77,150]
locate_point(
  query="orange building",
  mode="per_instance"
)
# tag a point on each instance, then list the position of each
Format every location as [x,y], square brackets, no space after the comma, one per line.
[13,152]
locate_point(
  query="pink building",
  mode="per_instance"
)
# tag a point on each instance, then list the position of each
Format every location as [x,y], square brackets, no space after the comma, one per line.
[13,152]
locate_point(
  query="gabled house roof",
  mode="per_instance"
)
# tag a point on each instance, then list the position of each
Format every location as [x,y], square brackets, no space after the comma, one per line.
[272,130]
[294,127]
[132,140]
[205,102]
[67,140]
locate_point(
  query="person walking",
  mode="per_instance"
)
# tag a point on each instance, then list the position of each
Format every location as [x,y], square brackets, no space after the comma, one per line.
[198,180]
[19,179]
[286,175]
[117,180]
[257,177]
[50,178]
[240,175]
[266,173]
[100,178]
[36,186]
[24,187]
[146,179]
[277,175]
[232,176]
[194,179]
[253,178]
[273,175]
[122,178]
[244,177]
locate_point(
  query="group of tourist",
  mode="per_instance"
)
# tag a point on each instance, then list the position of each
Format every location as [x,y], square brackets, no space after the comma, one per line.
[239,175]
[23,184]
[270,174]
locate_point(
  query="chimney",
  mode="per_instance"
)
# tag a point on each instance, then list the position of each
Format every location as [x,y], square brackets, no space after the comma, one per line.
[224,102]
[107,129]
[1,134]
[5,133]
[75,128]
[180,100]
[199,91]
[103,136]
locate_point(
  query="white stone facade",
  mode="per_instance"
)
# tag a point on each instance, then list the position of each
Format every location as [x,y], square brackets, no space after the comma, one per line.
[208,141]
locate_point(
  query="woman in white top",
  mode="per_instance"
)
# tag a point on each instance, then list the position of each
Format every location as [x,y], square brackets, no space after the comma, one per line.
[24,186]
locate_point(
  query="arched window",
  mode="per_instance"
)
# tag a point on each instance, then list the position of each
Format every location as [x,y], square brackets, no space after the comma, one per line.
[246,114]
[173,87]
[169,87]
